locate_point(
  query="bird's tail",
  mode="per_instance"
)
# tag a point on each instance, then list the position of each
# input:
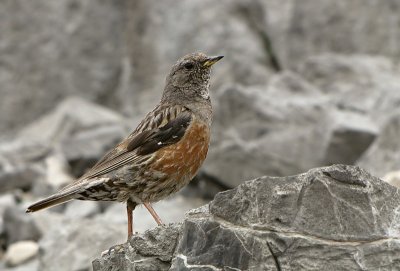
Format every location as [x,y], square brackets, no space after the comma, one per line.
[51,201]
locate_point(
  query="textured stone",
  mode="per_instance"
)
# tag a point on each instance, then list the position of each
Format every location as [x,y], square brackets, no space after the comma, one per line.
[77,52]
[393,178]
[384,156]
[359,83]
[29,266]
[81,135]
[6,201]
[78,241]
[79,209]
[18,167]
[20,226]
[253,127]
[352,134]
[332,218]
[152,250]
[119,55]
[299,29]
[20,252]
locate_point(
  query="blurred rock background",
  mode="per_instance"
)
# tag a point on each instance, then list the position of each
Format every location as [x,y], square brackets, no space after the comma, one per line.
[303,84]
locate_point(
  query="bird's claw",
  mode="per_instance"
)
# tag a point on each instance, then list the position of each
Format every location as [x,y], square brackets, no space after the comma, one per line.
[111,249]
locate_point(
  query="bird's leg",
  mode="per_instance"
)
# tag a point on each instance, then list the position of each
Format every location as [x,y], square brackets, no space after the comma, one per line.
[153,213]
[130,206]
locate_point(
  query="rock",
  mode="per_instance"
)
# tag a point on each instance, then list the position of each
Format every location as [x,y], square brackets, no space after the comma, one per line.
[346,80]
[20,252]
[29,266]
[393,178]
[125,72]
[57,174]
[6,201]
[77,209]
[252,128]
[18,169]
[302,29]
[82,135]
[352,134]
[81,240]
[20,226]
[77,137]
[152,250]
[74,56]
[330,218]
[383,156]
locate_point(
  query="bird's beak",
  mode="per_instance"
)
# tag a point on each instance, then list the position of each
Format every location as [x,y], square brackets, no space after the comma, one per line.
[212,60]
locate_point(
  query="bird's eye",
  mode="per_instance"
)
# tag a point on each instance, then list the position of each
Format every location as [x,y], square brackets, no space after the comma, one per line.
[189,66]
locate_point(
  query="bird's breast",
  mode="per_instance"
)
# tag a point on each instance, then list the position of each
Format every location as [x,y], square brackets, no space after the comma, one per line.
[182,160]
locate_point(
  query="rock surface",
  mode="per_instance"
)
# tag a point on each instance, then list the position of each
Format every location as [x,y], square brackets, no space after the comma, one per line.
[20,252]
[74,242]
[18,226]
[283,129]
[119,55]
[331,218]
[384,156]
[300,29]
[393,178]
[60,140]
[357,83]
[253,126]
[80,130]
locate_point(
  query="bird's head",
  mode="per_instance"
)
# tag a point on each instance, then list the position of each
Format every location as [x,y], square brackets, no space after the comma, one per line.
[190,77]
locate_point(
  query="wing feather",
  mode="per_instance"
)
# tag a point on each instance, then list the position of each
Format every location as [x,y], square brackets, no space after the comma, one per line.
[161,127]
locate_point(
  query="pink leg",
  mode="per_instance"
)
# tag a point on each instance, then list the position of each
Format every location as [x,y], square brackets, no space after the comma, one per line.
[130,206]
[129,211]
[153,213]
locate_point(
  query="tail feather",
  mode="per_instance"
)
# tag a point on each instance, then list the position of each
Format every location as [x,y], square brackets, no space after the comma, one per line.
[51,201]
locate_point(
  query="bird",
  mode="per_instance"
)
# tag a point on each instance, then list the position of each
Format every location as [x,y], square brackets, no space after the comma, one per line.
[160,156]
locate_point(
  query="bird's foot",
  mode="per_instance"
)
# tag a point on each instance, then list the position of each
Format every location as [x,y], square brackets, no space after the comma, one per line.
[115,248]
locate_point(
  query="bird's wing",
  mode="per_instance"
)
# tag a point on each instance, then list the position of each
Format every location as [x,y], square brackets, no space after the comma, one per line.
[163,126]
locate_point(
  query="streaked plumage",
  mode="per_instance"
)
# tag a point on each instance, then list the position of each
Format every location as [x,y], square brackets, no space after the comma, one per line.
[161,155]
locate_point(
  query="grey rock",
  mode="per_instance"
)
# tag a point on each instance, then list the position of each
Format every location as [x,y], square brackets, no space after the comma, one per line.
[82,135]
[63,137]
[299,29]
[78,137]
[352,134]
[359,83]
[80,209]
[253,127]
[21,252]
[6,201]
[152,250]
[20,226]
[348,201]
[56,174]
[384,156]
[74,55]
[29,266]
[18,167]
[393,178]
[72,244]
[331,218]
